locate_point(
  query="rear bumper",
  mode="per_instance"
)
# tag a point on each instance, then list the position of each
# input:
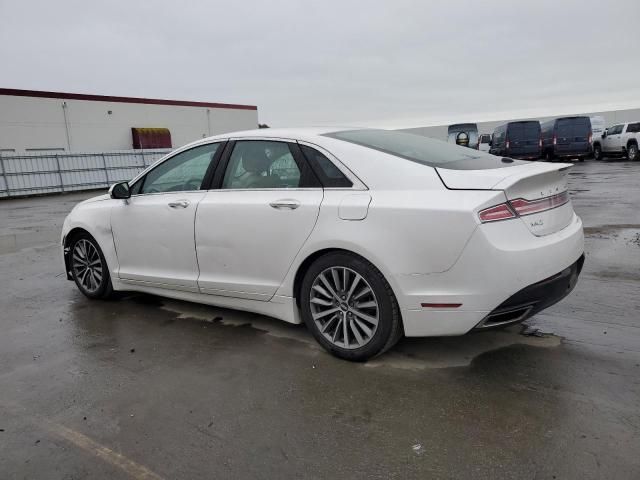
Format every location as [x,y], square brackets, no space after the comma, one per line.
[500,260]
[572,153]
[534,298]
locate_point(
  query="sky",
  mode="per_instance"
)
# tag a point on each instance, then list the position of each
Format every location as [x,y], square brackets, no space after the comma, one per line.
[399,63]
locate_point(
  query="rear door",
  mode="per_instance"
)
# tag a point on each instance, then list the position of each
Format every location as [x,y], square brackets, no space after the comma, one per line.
[249,229]
[572,136]
[524,139]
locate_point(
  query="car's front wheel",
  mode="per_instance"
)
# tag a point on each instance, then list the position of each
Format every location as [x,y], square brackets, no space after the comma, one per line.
[349,307]
[597,152]
[89,267]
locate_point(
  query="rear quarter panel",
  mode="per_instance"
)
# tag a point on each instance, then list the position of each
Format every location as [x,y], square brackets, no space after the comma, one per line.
[404,232]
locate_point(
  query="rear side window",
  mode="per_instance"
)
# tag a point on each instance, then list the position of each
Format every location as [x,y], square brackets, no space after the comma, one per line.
[633,127]
[327,172]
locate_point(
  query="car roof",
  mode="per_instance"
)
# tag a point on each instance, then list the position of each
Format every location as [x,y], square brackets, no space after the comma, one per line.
[293,133]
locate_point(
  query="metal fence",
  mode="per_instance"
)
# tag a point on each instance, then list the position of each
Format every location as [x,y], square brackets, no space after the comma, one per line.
[35,173]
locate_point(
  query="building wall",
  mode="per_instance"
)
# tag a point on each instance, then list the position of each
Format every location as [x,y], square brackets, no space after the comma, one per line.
[28,123]
[610,117]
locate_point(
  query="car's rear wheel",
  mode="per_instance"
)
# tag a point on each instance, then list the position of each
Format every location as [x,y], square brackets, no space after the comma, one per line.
[89,267]
[349,307]
[632,152]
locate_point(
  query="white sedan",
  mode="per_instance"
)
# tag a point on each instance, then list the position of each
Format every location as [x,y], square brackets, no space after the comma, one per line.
[364,235]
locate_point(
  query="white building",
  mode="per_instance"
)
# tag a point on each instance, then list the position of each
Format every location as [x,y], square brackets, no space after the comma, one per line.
[52,121]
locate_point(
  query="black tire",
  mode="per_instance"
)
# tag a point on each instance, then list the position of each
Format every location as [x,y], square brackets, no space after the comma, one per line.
[102,288]
[597,152]
[581,159]
[632,152]
[548,156]
[389,327]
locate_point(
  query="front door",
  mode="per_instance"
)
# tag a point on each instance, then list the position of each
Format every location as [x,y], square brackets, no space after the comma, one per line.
[154,230]
[249,231]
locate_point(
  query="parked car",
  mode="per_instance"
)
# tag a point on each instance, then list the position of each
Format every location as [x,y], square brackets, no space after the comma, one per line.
[484,142]
[619,140]
[463,134]
[517,140]
[566,137]
[363,235]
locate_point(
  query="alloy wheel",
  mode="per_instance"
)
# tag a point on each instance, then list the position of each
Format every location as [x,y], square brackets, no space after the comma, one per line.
[87,265]
[344,307]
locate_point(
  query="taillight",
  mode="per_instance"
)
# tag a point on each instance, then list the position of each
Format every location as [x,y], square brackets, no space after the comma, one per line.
[495,213]
[590,137]
[507,143]
[540,142]
[527,207]
[555,139]
[520,207]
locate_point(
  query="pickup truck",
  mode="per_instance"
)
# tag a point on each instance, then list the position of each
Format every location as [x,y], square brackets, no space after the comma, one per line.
[620,140]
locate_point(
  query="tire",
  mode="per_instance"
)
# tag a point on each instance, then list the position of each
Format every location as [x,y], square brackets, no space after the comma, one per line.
[632,152]
[89,267]
[548,156]
[597,152]
[332,304]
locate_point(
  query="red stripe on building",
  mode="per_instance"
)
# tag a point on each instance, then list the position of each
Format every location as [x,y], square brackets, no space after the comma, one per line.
[106,98]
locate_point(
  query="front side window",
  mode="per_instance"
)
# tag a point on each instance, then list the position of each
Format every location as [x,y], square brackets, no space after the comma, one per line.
[615,130]
[261,164]
[182,172]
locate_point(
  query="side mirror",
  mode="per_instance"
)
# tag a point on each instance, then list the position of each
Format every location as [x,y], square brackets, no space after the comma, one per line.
[491,143]
[604,134]
[120,190]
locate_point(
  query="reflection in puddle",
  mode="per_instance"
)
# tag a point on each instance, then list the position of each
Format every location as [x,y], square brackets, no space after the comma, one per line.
[409,354]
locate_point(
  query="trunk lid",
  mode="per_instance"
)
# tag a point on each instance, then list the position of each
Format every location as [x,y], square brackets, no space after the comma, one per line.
[531,181]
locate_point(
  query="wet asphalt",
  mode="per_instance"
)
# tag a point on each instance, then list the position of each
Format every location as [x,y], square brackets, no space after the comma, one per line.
[143,387]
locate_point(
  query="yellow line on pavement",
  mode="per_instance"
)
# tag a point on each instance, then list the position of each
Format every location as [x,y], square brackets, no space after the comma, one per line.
[133,469]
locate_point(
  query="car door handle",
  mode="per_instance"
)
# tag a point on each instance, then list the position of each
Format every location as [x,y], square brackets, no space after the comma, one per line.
[283,204]
[179,204]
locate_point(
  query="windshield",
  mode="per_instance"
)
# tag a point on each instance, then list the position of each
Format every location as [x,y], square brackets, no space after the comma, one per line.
[423,150]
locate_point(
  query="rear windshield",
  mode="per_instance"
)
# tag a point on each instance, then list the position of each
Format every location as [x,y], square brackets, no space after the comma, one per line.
[574,127]
[524,131]
[485,138]
[423,150]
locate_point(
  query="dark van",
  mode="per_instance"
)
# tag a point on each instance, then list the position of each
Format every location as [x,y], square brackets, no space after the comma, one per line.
[566,137]
[517,140]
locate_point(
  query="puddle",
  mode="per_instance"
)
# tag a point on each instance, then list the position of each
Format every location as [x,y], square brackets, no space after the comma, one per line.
[236,318]
[409,354]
